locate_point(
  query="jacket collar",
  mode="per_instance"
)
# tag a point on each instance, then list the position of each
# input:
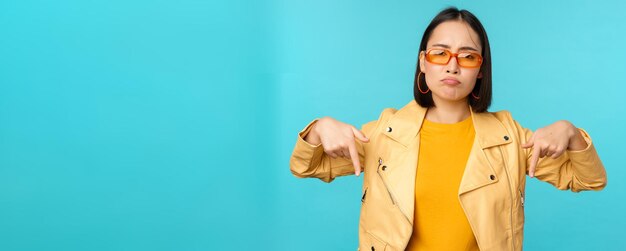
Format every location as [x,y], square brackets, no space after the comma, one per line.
[405,124]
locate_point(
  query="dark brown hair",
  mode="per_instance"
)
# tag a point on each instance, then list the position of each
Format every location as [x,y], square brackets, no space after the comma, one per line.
[483,85]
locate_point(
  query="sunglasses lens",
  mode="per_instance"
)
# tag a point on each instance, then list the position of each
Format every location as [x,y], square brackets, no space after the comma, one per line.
[438,56]
[469,59]
[465,59]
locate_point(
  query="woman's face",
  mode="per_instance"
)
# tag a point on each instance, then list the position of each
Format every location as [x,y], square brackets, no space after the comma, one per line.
[450,82]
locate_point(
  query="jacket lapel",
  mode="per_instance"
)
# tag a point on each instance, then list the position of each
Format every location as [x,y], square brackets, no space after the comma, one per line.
[479,170]
[404,126]
[400,176]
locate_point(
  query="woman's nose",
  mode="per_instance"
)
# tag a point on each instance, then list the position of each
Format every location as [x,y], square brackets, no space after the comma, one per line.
[452,66]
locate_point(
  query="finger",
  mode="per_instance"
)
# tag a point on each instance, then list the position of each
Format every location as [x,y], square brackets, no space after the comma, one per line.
[530,142]
[544,149]
[548,154]
[555,152]
[544,153]
[354,155]
[346,153]
[339,153]
[550,151]
[533,161]
[558,153]
[359,135]
[332,154]
[327,149]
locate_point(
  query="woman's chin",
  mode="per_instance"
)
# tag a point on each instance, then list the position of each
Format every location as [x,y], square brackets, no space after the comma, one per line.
[451,96]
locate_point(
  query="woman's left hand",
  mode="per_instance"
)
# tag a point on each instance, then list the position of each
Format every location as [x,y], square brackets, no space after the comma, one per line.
[552,141]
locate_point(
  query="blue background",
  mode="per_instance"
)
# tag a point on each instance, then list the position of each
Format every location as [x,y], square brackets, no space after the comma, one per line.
[168,125]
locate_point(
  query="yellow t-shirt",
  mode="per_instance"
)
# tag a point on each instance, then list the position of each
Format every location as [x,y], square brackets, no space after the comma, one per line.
[440,223]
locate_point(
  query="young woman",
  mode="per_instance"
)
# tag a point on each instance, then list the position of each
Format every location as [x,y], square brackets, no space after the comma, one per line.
[443,173]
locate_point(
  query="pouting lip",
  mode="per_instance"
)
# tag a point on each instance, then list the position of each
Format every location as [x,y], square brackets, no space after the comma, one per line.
[451,80]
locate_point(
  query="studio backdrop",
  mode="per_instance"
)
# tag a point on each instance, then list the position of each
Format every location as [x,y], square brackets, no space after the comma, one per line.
[168,125]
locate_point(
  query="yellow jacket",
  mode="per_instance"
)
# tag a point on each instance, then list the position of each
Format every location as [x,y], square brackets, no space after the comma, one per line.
[491,192]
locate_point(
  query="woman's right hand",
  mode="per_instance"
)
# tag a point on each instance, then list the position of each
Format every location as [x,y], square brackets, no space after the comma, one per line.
[338,139]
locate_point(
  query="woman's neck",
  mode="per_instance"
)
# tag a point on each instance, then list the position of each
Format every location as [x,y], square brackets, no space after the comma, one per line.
[448,112]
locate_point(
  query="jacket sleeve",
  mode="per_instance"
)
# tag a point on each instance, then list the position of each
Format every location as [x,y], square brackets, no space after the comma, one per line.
[309,160]
[578,170]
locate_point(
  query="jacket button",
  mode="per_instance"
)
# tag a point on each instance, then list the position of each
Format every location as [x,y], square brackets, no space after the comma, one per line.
[506,137]
[388,129]
[373,249]
[384,167]
[492,177]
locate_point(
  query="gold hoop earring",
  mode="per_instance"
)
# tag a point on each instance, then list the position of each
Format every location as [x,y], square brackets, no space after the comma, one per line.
[474,95]
[418,84]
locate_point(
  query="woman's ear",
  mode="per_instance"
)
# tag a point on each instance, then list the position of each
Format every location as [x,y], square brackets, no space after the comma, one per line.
[480,75]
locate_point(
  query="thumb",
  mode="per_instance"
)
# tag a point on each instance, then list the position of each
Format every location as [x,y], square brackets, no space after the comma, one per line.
[359,135]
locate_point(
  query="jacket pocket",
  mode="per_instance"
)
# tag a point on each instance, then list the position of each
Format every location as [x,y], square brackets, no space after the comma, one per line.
[363,197]
[518,230]
[375,244]
[381,168]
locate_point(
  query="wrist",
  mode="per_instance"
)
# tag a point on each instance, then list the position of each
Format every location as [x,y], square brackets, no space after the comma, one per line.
[312,136]
[577,141]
